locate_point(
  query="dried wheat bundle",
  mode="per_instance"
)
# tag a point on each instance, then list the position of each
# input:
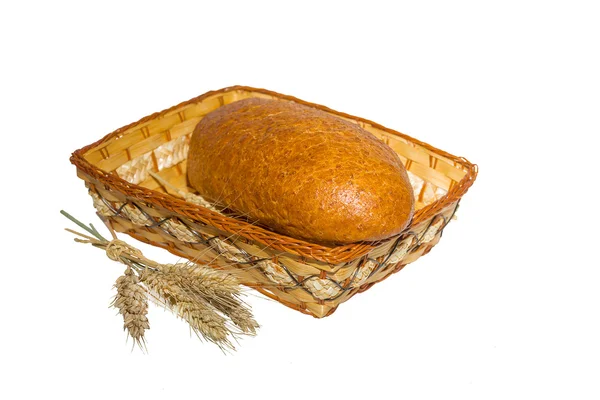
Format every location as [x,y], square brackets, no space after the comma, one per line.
[209,300]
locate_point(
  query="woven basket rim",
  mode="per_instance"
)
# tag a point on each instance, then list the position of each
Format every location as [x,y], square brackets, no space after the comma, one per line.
[299,247]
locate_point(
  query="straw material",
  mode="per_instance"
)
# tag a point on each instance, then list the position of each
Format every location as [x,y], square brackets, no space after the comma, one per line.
[137,179]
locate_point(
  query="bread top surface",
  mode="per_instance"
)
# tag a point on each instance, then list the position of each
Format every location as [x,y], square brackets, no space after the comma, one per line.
[300,171]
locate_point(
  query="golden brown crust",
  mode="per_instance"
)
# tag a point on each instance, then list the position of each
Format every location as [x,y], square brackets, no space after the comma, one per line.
[300,171]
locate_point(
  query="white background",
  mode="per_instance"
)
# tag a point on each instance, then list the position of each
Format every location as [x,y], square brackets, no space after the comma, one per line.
[506,306]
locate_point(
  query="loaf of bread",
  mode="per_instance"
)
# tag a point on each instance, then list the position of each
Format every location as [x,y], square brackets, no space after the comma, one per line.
[300,171]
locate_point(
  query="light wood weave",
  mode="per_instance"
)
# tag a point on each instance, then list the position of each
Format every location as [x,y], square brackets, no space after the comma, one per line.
[308,277]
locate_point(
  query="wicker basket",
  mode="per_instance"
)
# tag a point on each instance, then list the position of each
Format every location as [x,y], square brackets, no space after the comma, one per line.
[308,277]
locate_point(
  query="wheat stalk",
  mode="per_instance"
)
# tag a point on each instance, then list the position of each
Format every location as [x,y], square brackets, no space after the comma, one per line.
[207,299]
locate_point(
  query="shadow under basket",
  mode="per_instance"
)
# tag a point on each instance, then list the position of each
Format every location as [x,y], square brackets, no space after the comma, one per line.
[307,277]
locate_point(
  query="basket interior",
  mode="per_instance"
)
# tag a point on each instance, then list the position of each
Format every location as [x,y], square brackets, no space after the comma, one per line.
[160,143]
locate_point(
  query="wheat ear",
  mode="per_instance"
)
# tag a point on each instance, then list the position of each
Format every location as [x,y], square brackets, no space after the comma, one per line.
[201,317]
[217,288]
[132,302]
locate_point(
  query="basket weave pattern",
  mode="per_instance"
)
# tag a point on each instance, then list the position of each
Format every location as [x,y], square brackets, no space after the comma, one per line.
[308,277]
